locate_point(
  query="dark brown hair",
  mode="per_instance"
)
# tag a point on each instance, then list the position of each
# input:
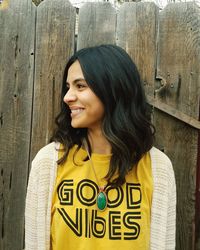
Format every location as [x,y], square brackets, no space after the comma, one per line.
[114,78]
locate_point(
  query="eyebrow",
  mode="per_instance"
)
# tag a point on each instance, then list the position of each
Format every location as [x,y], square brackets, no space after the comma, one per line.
[76,80]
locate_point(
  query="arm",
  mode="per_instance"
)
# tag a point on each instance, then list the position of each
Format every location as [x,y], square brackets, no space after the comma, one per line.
[31,211]
[39,198]
[171,214]
[163,210]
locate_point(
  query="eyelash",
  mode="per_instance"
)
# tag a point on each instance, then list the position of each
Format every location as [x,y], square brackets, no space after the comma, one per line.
[78,85]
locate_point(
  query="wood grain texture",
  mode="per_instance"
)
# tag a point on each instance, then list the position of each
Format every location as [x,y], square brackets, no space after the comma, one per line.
[54,45]
[197,219]
[179,69]
[179,142]
[97,22]
[179,56]
[38,54]
[137,34]
[173,112]
[17,30]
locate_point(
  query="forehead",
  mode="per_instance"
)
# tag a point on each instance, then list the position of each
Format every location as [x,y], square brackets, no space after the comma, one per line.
[74,72]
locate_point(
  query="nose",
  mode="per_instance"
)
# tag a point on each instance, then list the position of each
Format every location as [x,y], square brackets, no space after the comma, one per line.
[70,96]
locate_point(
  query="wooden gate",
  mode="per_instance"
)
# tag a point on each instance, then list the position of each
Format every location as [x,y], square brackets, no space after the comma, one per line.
[35,44]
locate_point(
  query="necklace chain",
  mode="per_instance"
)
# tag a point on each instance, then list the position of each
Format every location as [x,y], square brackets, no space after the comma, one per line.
[92,165]
[101,199]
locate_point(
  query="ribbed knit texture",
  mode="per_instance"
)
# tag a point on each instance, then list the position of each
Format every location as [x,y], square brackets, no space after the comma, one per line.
[39,200]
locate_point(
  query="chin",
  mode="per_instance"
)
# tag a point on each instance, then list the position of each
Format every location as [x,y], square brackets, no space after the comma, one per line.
[77,125]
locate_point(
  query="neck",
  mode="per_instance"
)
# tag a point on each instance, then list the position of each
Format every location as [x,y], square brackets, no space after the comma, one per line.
[99,144]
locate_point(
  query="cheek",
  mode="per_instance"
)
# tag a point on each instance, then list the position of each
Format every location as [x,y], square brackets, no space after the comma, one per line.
[95,105]
[99,111]
[96,109]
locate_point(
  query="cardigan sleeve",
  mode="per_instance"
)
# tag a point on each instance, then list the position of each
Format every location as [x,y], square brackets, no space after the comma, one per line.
[31,211]
[163,210]
[39,197]
[171,214]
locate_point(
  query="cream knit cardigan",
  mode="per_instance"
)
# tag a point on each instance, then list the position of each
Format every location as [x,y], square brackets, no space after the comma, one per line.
[40,190]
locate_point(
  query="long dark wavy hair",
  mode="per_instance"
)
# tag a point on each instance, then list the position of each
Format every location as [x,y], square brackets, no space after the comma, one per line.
[113,77]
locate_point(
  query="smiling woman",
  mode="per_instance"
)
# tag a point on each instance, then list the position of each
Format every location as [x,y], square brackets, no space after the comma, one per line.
[100,183]
[86,108]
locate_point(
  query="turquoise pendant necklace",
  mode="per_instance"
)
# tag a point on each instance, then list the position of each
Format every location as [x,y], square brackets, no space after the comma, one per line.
[101,200]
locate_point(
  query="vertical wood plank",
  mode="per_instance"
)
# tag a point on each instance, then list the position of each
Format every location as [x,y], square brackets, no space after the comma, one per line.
[17,30]
[197,219]
[137,34]
[179,68]
[55,29]
[178,65]
[96,24]
[179,56]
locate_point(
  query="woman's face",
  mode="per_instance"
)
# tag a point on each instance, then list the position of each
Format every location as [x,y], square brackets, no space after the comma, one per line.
[87,110]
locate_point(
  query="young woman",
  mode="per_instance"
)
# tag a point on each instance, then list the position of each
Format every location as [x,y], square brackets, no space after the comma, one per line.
[100,184]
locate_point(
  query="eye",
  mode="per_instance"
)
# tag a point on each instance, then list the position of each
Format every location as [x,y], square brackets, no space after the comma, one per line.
[81,85]
[67,86]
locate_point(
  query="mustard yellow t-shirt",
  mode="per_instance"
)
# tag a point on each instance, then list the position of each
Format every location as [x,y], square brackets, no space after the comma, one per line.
[77,224]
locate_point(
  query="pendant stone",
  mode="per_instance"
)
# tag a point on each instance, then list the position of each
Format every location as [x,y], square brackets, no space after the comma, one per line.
[101,201]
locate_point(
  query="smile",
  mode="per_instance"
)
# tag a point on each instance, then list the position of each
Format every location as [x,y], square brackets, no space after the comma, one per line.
[75,112]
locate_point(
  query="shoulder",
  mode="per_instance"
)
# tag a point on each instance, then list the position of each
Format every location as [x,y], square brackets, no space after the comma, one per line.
[45,159]
[47,151]
[162,168]
[160,158]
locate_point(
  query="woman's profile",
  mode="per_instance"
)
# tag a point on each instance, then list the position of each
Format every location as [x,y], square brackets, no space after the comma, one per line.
[100,183]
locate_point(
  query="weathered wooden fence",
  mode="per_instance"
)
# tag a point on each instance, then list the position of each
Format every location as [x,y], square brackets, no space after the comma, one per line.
[36,42]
